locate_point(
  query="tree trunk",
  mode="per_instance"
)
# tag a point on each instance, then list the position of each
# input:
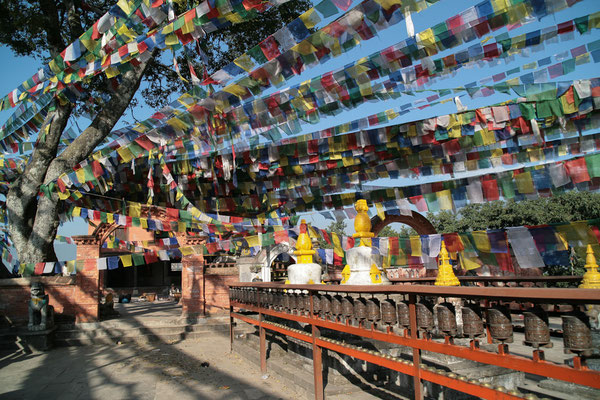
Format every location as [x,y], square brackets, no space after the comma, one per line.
[33,219]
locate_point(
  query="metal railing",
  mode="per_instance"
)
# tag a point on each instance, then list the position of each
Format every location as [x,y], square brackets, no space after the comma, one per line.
[404,315]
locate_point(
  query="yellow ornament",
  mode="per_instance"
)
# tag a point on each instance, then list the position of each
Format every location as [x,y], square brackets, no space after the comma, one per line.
[362,223]
[345,274]
[375,274]
[445,275]
[304,249]
[591,278]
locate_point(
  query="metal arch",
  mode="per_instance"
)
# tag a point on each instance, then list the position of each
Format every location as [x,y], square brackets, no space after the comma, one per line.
[416,221]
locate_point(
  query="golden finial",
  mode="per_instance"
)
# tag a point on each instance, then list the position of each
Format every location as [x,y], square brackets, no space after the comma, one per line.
[591,278]
[362,223]
[445,275]
[304,249]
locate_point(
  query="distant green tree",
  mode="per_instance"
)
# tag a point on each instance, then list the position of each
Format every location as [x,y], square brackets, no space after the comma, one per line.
[388,231]
[338,227]
[570,206]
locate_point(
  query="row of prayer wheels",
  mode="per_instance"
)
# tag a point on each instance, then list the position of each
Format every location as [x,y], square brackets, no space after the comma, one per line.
[576,331]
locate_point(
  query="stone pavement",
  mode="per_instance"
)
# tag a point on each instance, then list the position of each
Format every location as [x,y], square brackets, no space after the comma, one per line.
[128,371]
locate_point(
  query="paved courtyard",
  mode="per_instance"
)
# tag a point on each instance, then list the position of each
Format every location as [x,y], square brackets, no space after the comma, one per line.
[132,371]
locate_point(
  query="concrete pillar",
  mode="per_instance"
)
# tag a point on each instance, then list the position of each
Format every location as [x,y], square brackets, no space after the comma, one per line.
[87,291]
[192,280]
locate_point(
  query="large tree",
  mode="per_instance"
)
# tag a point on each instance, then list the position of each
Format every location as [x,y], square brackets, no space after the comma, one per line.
[43,29]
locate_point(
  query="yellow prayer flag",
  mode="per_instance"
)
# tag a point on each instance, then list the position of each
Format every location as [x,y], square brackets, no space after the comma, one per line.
[524,183]
[482,241]
[244,62]
[186,250]
[234,17]
[80,173]
[310,18]
[380,211]
[135,210]
[253,241]
[337,245]
[236,90]
[427,39]
[126,260]
[64,196]
[125,154]
[444,198]
[468,263]
[387,4]
[76,211]
[415,246]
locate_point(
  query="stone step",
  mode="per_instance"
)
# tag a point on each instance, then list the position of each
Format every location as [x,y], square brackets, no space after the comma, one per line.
[137,331]
[143,322]
[141,339]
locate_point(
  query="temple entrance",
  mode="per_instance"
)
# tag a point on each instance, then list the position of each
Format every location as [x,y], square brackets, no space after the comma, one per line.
[416,221]
[395,268]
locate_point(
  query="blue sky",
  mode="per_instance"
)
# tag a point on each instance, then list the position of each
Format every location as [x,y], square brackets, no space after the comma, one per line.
[15,70]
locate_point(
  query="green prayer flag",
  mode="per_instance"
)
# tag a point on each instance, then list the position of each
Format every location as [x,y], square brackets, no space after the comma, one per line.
[582,24]
[593,165]
[138,259]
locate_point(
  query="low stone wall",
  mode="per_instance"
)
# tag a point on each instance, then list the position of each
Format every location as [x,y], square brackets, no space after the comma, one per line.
[15,294]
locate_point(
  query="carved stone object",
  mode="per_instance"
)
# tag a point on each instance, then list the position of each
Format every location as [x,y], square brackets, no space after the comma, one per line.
[41,313]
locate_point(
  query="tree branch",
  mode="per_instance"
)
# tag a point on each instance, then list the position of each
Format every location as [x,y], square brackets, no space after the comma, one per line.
[101,126]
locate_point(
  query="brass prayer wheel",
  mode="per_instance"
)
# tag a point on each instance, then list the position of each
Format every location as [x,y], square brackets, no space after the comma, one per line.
[348,307]
[316,303]
[306,307]
[577,335]
[424,316]
[472,321]
[336,305]
[403,314]
[293,302]
[388,312]
[325,305]
[373,310]
[446,318]
[537,332]
[500,324]
[269,302]
[285,303]
[278,300]
[360,309]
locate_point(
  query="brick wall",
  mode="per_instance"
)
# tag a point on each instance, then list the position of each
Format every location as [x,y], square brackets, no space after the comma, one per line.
[216,292]
[15,295]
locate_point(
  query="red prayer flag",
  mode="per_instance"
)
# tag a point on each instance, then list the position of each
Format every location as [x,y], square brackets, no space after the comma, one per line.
[270,48]
[490,190]
[39,268]
[577,170]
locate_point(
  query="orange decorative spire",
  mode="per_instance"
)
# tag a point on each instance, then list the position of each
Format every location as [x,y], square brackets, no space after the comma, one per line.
[304,249]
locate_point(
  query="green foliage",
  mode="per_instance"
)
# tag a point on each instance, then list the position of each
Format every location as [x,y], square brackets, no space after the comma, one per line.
[221,47]
[338,227]
[44,28]
[569,206]
[388,231]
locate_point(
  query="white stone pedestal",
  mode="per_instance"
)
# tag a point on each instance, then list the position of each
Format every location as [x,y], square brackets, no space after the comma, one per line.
[360,260]
[300,274]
